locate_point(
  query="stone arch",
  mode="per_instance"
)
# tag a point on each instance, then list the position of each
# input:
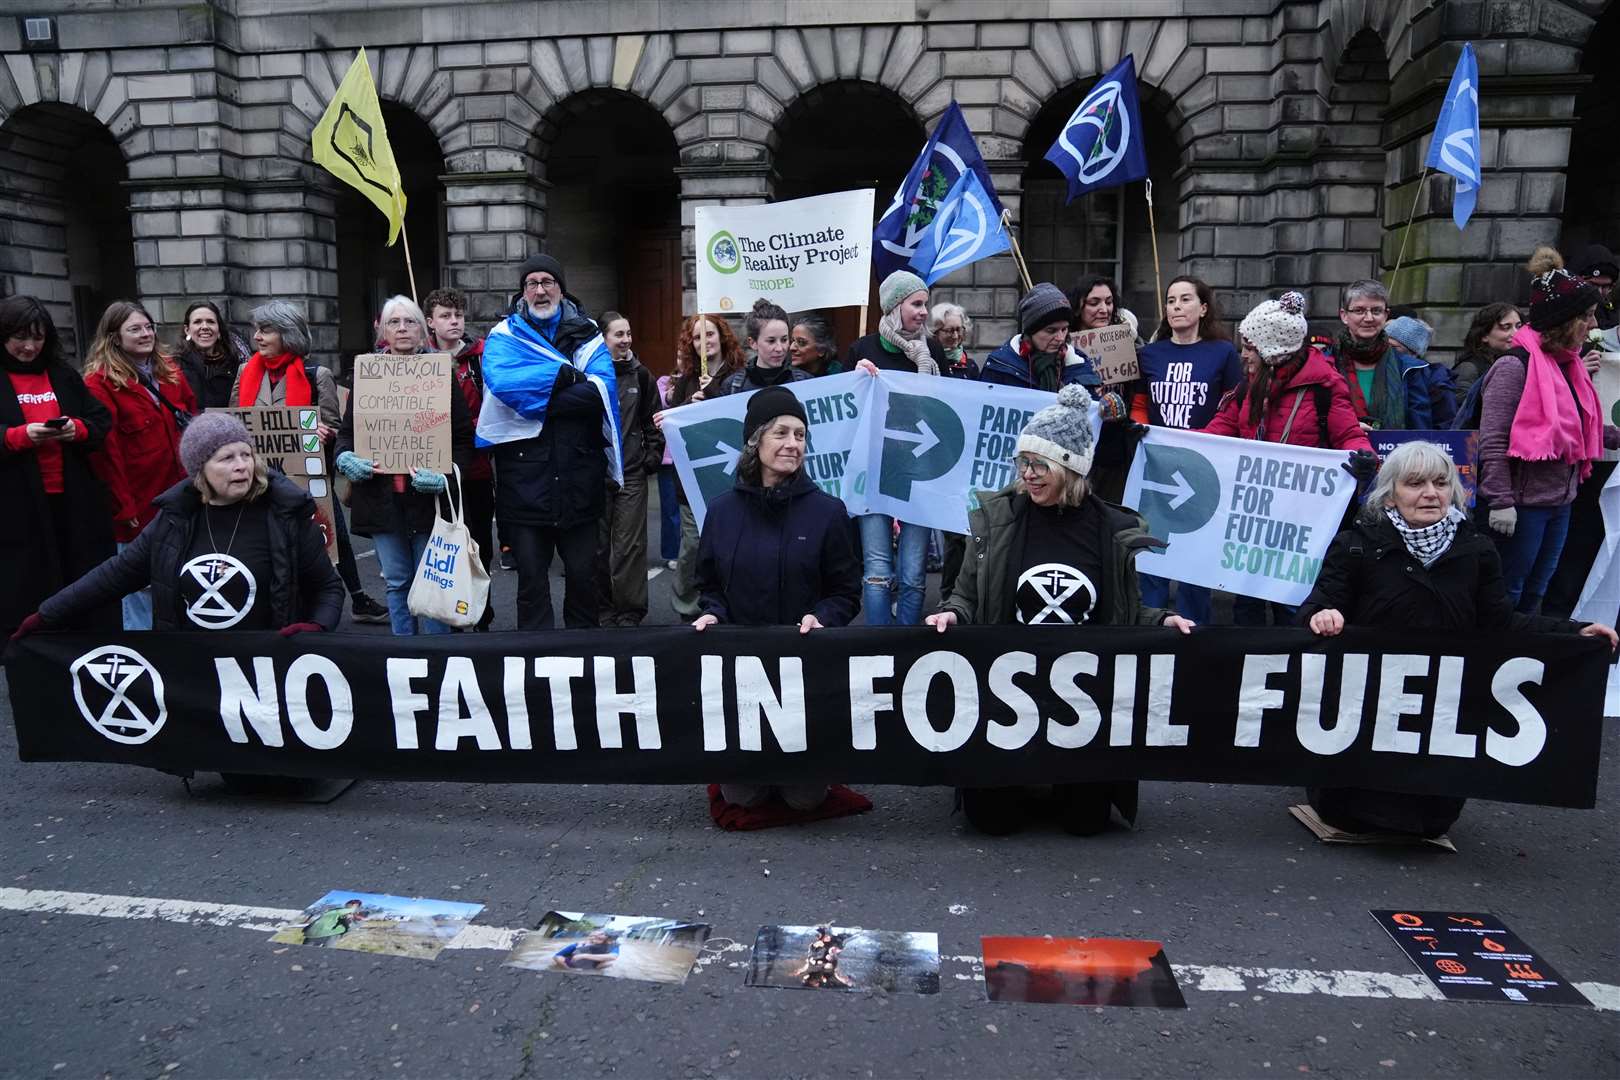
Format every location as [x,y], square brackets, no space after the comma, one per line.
[368,271]
[65,229]
[1107,231]
[613,210]
[1591,205]
[1389,21]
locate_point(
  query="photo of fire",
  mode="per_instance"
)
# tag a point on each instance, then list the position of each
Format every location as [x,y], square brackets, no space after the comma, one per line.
[1080,971]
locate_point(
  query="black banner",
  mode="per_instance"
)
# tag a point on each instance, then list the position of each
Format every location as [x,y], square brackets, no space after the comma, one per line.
[1516,718]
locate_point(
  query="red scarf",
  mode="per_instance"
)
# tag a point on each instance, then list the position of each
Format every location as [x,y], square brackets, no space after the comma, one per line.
[287,368]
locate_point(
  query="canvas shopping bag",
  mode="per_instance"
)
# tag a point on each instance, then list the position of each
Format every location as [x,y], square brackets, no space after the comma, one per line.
[451,584]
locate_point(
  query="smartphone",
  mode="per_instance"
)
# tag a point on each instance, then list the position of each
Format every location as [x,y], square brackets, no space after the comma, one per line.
[57,422]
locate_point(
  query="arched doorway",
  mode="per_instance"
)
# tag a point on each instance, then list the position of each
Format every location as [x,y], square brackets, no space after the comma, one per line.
[1351,246]
[613,214]
[368,270]
[1592,194]
[1106,231]
[840,136]
[65,232]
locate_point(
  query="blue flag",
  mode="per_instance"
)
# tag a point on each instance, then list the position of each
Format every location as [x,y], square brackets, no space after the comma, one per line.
[965,229]
[1101,145]
[1455,146]
[949,153]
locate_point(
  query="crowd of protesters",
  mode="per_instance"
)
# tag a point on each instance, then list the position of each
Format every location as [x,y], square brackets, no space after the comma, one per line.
[133,494]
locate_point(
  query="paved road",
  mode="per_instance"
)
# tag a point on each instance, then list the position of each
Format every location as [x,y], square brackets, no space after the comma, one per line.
[1284,971]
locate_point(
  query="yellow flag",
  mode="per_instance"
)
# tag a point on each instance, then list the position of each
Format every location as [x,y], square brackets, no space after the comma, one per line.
[352,144]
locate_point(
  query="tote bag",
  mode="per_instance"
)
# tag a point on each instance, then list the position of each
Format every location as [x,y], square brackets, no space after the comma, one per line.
[451,584]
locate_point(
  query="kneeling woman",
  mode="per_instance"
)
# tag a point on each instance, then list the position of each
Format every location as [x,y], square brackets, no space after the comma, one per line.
[232,548]
[1412,561]
[1047,551]
[776,551]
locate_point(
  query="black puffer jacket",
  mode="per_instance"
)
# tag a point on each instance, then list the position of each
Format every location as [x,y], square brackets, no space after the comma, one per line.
[769,557]
[558,479]
[303,586]
[1372,580]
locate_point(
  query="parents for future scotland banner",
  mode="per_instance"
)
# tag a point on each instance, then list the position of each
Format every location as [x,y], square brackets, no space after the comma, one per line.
[1513,717]
[1247,517]
[914,447]
[801,254]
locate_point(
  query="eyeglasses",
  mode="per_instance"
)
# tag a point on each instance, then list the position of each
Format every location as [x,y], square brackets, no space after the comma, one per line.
[948,331]
[539,284]
[1036,467]
[397,323]
[1367,312]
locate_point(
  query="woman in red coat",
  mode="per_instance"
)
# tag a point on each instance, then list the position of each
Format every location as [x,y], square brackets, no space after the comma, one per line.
[150,402]
[1292,394]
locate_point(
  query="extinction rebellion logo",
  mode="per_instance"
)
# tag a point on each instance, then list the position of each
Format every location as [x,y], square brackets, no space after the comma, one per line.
[119,694]
[1101,109]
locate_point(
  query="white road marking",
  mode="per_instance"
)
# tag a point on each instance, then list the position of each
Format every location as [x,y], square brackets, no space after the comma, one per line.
[1206,977]
[364,555]
[654,572]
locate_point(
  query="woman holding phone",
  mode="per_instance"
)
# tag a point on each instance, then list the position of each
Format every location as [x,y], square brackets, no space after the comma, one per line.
[60,527]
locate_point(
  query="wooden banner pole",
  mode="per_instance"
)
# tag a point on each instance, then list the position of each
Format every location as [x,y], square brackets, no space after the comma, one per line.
[410,271]
[703,349]
[861,332]
[1153,231]
[1017,252]
[1407,232]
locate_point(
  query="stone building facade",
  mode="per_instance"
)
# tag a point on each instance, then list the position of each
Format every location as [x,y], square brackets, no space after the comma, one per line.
[162,149]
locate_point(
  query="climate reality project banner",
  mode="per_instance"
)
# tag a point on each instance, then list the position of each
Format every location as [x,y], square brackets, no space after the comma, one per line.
[801,254]
[1246,517]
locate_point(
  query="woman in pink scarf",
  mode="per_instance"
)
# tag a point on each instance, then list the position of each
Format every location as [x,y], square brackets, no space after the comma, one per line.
[1540,429]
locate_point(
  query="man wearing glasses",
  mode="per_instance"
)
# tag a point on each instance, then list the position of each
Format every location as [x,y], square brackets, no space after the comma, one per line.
[1389,389]
[556,438]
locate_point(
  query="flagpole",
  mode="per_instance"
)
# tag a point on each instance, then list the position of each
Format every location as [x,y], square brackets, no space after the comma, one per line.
[410,272]
[1153,231]
[1017,252]
[1406,234]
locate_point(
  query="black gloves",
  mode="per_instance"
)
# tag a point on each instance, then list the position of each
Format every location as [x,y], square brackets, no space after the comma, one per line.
[1363,465]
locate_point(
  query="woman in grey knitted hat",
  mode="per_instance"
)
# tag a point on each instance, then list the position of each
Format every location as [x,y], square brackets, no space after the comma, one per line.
[233,547]
[1046,551]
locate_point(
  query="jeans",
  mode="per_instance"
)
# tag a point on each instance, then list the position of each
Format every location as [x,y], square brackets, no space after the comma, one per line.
[1530,555]
[1191,600]
[881,566]
[137,607]
[532,548]
[669,515]
[399,555]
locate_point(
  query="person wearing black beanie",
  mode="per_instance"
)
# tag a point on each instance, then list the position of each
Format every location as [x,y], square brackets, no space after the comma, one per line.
[776,551]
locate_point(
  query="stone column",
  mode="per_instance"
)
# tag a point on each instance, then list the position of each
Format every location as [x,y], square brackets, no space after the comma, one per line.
[494,220]
[713,184]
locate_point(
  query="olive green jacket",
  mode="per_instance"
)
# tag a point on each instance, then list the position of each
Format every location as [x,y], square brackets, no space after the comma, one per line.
[986,588]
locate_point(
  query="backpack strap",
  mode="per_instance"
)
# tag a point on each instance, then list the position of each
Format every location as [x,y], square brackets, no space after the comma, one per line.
[1289,426]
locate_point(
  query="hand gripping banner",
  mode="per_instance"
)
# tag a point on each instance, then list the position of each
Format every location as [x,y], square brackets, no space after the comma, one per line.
[1510,717]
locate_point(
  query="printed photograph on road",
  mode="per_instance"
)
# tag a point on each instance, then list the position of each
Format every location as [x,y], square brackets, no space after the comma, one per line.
[1080,971]
[378,923]
[845,958]
[617,946]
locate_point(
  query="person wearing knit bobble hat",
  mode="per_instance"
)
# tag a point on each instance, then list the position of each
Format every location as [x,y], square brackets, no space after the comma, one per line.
[233,547]
[902,343]
[1293,394]
[1039,356]
[1540,429]
[1047,551]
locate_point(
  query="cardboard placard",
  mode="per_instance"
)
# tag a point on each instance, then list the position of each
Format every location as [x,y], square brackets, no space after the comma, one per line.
[1112,349]
[1473,956]
[402,411]
[288,441]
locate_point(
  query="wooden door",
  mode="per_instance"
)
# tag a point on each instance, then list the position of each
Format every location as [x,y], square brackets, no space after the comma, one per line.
[652,295]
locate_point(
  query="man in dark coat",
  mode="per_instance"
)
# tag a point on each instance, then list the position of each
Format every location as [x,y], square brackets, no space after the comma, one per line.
[547,413]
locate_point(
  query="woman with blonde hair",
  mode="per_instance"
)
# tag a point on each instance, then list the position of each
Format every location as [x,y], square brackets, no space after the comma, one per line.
[151,402]
[397,511]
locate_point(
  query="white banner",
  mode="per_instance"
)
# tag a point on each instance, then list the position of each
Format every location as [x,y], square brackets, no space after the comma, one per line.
[706,437]
[932,442]
[1600,599]
[1247,517]
[801,254]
